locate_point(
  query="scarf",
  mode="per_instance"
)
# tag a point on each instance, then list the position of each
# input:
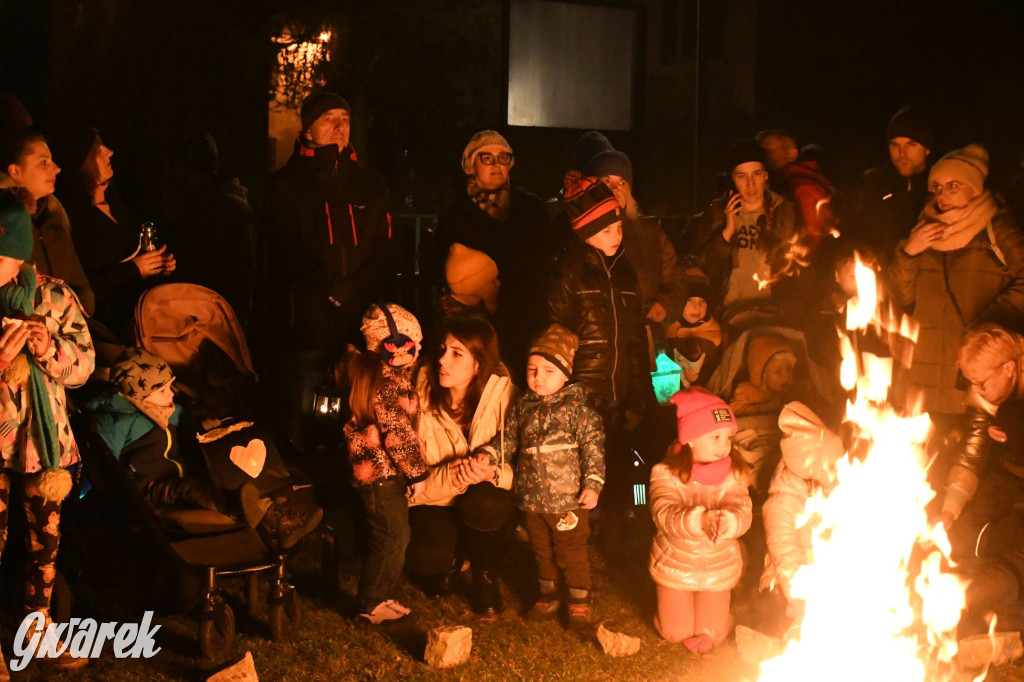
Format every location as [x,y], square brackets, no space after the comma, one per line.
[711,473]
[961,224]
[494,203]
[17,299]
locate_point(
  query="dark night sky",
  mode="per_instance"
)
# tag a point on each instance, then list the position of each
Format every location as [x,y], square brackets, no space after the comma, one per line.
[833,71]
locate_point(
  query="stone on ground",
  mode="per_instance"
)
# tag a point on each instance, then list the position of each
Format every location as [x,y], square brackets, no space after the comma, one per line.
[979,651]
[448,646]
[243,671]
[615,643]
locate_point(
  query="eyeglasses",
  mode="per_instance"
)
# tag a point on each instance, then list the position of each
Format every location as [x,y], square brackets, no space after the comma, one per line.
[952,187]
[488,159]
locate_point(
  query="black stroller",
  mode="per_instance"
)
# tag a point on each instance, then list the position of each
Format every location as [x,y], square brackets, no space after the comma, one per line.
[189,554]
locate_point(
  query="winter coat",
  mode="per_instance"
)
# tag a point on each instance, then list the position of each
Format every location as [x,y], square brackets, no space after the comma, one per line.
[53,251]
[442,438]
[809,455]
[654,260]
[557,445]
[211,237]
[67,363]
[330,250]
[523,247]
[598,299]
[149,452]
[811,193]
[885,208]
[388,447]
[682,556]
[103,244]
[717,257]
[947,292]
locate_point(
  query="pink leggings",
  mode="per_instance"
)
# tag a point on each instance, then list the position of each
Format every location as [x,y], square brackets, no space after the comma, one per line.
[683,615]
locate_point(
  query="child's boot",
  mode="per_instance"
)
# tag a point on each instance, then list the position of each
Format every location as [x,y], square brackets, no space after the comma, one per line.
[580,611]
[486,595]
[546,606]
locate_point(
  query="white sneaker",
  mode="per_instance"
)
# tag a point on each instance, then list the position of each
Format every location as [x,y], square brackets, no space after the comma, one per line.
[384,612]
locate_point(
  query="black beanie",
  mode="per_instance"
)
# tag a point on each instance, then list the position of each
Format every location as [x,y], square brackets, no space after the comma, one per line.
[744,151]
[908,122]
[70,146]
[318,104]
[587,147]
[610,162]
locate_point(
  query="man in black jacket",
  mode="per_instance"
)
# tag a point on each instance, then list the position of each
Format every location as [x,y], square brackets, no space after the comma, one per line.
[330,251]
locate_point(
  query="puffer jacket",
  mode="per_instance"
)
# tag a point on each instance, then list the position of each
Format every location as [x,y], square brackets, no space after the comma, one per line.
[149,452]
[717,256]
[330,250]
[557,445]
[67,363]
[809,455]
[598,299]
[947,292]
[682,556]
[388,447]
[442,439]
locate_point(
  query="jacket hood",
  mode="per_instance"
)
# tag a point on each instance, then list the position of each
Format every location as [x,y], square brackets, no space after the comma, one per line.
[809,449]
[111,403]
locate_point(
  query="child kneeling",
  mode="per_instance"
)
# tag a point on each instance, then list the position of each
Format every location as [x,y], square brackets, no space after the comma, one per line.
[700,505]
[558,441]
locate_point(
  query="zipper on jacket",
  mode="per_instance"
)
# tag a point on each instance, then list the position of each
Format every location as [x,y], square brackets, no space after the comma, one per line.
[615,321]
[167,450]
[352,217]
[330,228]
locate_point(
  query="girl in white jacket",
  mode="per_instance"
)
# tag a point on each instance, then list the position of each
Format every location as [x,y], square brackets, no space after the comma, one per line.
[700,505]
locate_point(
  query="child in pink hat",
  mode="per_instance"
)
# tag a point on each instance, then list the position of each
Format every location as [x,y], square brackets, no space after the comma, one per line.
[701,506]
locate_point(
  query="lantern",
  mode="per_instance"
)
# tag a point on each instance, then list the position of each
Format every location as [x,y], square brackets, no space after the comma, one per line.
[665,378]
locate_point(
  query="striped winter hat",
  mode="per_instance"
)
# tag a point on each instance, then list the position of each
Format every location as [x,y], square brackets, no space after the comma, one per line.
[590,204]
[557,345]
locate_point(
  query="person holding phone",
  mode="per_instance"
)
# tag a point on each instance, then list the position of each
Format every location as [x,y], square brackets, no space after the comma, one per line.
[744,241]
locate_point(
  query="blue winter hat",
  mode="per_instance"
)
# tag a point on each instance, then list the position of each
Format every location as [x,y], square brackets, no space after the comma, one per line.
[15,228]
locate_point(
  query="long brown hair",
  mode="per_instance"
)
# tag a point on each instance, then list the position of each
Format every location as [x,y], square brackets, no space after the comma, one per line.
[480,339]
[364,376]
[679,461]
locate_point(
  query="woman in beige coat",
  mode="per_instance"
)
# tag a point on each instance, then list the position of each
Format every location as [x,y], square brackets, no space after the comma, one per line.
[466,504]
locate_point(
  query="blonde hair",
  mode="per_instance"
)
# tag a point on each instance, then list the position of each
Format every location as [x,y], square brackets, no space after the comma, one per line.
[990,345]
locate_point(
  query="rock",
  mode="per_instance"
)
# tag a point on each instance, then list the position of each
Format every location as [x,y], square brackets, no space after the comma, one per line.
[617,644]
[448,646]
[243,671]
[756,647]
[979,651]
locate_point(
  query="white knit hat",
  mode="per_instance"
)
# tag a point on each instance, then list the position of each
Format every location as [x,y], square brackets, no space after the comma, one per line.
[968,165]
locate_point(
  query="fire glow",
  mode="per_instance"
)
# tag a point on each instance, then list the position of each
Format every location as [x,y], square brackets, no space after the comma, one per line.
[876,601]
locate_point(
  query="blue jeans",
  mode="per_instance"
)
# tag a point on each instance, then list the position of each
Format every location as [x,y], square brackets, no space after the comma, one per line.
[387,513]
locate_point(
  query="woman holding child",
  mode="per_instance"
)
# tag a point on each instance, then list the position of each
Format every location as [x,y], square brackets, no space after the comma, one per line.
[466,503]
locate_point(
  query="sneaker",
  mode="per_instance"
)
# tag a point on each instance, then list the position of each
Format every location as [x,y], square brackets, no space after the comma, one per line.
[580,618]
[545,608]
[385,611]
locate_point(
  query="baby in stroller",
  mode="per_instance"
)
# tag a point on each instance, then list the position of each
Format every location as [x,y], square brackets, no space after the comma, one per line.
[152,436]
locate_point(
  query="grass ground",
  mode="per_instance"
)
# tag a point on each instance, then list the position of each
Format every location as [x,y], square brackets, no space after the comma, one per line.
[332,645]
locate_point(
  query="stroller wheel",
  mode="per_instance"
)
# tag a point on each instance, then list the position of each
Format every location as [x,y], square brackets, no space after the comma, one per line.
[285,615]
[216,630]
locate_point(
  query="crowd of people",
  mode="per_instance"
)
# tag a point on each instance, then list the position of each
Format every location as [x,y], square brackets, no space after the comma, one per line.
[522,393]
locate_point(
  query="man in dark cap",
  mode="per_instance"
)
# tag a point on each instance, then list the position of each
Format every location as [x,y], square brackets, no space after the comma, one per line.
[886,206]
[329,251]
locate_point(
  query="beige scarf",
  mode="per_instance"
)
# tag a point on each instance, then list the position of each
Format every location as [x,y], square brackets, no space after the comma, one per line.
[961,224]
[494,203]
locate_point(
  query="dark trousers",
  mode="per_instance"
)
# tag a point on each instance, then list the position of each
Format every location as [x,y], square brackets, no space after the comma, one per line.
[43,537]
[387,514]
[478,524]
[565,549]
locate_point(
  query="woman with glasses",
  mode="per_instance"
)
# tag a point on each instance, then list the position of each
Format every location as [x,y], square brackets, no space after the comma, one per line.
[511,227]
[963,264]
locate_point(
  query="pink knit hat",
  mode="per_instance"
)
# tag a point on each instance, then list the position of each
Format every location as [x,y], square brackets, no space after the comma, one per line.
[699,412]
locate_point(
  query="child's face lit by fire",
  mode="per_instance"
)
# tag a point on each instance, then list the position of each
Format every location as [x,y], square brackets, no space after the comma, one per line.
[696,309]
[163,396]
[778,372]
[543,376]
[607,240]
[712,446]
